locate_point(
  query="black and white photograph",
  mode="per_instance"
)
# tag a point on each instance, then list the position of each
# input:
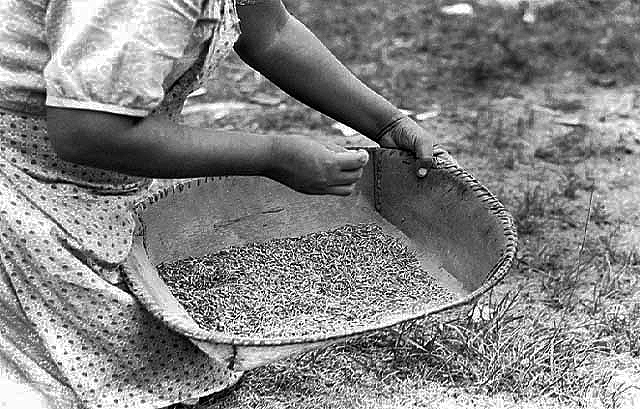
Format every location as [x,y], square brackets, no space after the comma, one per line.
[305,204]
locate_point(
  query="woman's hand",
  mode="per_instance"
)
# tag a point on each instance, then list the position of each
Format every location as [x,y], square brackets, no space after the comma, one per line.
[405,133]
[315,167]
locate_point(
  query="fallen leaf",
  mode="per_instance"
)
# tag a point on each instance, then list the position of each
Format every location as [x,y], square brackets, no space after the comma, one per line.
[460,9]
[423,116]
[266,99]
[569,121]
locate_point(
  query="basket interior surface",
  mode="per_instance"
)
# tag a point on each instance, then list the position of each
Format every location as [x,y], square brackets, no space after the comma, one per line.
[461,234]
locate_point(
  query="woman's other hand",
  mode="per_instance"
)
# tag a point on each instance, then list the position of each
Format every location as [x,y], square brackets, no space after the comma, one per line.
[316,167]
[405,133]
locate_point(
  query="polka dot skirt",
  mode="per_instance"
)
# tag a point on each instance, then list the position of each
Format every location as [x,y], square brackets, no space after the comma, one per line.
[69,333]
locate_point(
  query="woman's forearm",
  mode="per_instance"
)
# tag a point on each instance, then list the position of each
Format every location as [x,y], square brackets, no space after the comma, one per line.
[155,147]
[298,63]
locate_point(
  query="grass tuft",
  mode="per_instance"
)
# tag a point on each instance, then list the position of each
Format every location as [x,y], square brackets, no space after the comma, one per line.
[498,348]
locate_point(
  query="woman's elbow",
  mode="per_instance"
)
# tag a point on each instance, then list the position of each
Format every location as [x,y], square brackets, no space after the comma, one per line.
[261,27]
[81,136]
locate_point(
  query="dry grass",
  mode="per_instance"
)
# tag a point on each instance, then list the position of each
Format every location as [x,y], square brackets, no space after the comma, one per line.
[499,348]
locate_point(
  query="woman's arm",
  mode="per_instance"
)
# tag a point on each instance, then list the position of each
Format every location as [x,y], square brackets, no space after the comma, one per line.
[287,53]
[160,148]
[155,147]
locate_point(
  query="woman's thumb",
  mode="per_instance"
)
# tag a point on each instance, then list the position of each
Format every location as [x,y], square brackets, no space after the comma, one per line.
[424,156]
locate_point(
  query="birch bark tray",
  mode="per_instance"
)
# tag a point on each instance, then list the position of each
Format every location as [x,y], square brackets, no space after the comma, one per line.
[460,232]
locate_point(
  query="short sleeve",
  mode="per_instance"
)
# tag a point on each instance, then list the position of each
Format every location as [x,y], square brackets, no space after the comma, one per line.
[114,55]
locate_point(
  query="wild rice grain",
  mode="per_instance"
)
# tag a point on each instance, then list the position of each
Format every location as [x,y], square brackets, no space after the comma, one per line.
[318,283]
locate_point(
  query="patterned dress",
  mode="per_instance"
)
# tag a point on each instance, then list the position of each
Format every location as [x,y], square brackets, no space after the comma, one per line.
[71,335]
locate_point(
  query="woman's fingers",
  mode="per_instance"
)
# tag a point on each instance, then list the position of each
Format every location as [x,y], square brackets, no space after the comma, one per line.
[347,177]
[352,160]
[341,190]
[350,165]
